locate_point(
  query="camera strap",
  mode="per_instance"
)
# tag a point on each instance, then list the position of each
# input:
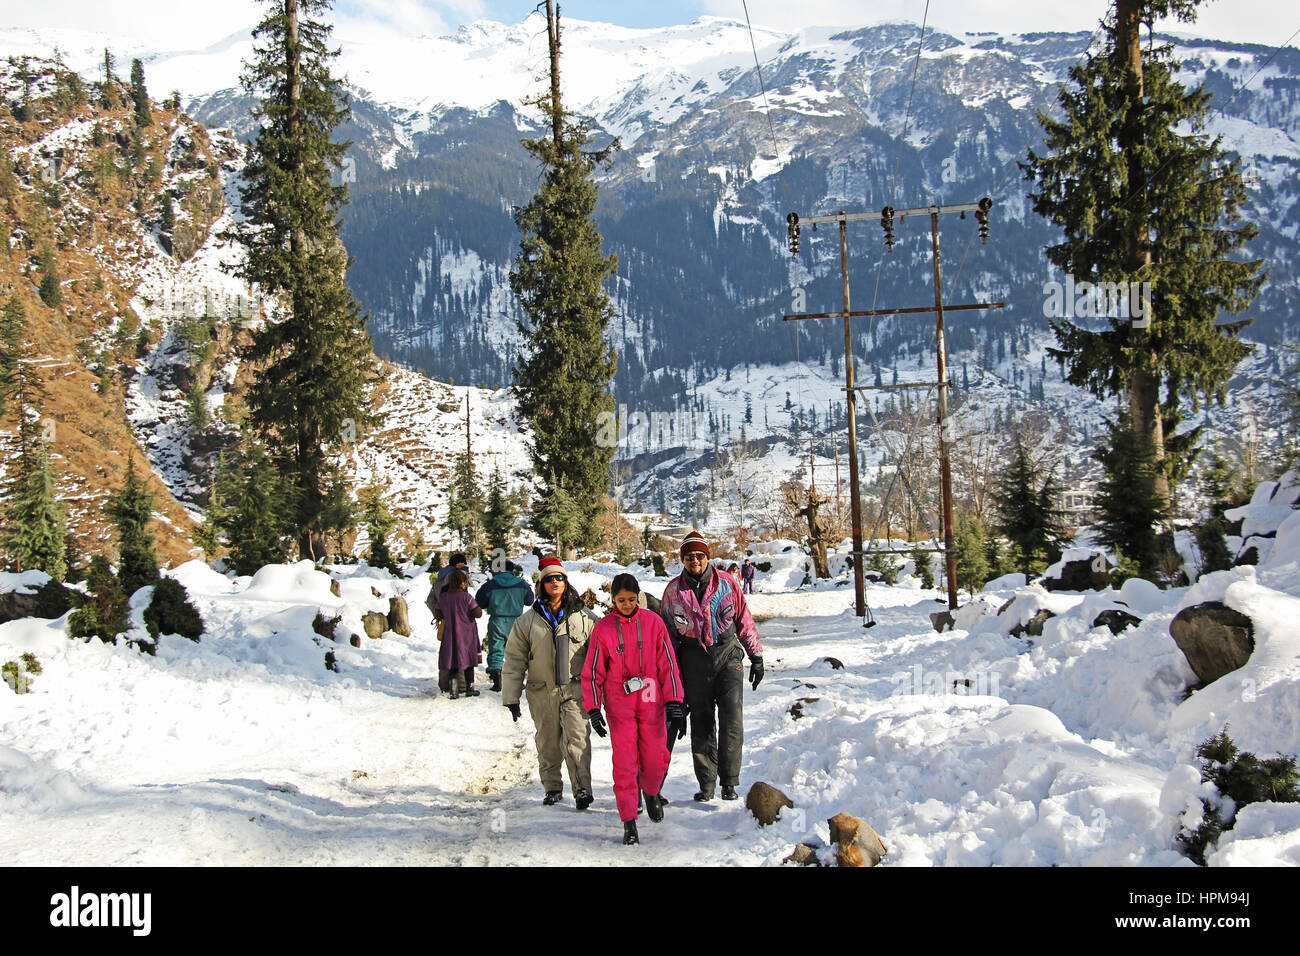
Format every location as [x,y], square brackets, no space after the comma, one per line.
[618,626]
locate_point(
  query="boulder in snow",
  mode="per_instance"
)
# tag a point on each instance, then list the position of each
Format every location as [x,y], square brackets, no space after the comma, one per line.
[1116,620]
[48,600]
[375,623]
[765,802]
[398,621]
[1215,639]
[942,621]
[1034,626]
[1078,570]
[857,843]
[804,854]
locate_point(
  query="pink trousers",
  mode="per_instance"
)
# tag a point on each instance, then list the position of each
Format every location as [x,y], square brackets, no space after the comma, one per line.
[638,732]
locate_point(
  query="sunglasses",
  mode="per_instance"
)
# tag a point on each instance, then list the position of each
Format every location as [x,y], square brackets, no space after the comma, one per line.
[552,577]
[695,556]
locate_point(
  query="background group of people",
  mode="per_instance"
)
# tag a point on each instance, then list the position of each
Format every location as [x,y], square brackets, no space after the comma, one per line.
[635,674]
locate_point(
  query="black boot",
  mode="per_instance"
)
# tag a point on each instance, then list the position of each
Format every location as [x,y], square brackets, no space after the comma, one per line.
[582,798]
[469,683]
[552,798]
[704,796]
[654,807]
[728,792]
[630,837]
[496,680]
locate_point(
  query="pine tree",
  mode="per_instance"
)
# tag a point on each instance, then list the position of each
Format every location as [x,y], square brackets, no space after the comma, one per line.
[140,96]
[339,517]
[104,613]
[1144,196]
[562,380]
[252,507]
[972,567]
[1127,503]
[51,289]
[498,513]
[465,516]
[131,510]
[34,533]
[309,393]
[379,521]
[1027,513]
[13,324]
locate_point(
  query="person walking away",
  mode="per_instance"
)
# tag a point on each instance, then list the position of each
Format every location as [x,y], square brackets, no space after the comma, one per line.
[712,631]
[457,563]
[460,642]
[747,576]
[547,649]
[631,672]
[504,598]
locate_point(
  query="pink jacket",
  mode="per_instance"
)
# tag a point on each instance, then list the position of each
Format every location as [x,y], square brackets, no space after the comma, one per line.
[608,666]
[722,614]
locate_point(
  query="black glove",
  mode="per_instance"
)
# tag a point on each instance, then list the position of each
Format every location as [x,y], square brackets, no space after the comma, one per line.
[755,671]
[597,722]
[514,711]
[676,712]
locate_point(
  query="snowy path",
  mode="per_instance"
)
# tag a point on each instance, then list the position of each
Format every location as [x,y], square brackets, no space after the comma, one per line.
[962,748]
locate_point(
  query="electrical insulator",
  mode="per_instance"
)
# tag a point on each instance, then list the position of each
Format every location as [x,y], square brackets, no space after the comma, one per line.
[887,223]
[793,229]
[982,217]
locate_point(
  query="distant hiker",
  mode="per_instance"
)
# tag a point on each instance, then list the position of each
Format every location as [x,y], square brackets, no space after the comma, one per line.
[712,632]
[504,598]
[457,612]
[639,688]
[747,577]
[457,563]
[547,647]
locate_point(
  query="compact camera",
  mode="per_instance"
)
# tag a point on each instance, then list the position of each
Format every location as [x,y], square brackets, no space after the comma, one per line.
[633,684]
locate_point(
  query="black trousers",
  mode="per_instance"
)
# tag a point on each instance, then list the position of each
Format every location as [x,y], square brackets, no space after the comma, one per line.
[714,681]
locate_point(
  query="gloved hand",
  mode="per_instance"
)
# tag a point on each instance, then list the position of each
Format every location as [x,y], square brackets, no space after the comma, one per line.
[755,671]
[597,722]
[676,712]
[514,711]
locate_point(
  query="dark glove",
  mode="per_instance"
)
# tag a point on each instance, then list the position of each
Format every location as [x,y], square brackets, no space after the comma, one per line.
[514,711]
[597,722]
[676,712]
[755,671]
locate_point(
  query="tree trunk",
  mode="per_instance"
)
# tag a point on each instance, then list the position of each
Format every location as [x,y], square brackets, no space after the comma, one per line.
[1144,386]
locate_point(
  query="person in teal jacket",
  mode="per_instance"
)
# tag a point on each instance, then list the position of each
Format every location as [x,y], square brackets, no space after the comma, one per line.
[504,598]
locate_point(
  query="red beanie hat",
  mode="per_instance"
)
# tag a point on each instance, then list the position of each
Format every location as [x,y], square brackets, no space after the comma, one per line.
[551,563]
[695,542]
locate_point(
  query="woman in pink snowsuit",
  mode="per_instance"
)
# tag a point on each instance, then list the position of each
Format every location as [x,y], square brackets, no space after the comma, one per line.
[631,671]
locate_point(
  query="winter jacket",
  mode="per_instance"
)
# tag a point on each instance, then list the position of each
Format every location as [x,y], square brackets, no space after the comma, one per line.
[720,614]
[545,654]
[460,641]
[504,599]
[613,656]
[440,585]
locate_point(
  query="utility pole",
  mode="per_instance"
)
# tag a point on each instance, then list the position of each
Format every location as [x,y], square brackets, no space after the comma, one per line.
[886,218]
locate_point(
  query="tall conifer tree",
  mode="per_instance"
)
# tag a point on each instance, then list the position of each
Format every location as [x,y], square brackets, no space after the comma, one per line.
[563,379]
[1027,513]
[140,96]
[131,510]
[309,393]
[1144,196]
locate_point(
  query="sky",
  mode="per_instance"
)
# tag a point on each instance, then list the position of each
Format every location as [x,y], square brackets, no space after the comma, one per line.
[190,24]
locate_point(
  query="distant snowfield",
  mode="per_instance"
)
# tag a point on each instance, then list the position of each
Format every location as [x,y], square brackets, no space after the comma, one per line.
[1071,749]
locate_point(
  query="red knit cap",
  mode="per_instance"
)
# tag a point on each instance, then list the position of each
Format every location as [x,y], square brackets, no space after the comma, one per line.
[551,564]
[695,542]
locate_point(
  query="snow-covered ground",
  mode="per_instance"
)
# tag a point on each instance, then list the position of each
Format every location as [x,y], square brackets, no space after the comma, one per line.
[968,747]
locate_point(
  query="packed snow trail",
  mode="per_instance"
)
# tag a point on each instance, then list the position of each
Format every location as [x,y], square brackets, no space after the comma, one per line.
[969,747]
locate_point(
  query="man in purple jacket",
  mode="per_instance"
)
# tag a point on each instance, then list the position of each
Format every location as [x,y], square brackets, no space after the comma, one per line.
[712,632]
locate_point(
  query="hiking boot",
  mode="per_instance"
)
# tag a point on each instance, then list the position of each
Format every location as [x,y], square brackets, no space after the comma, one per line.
[654,807]
[703,796]
[630,837]
[471,692]
[552,798]
[728,792]
[582,798]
